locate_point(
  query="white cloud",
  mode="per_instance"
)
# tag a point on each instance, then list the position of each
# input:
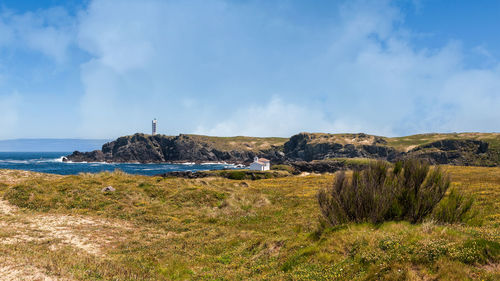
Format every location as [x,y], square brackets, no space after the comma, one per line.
[214,66]
[121,34]
[276,118]
[49,32]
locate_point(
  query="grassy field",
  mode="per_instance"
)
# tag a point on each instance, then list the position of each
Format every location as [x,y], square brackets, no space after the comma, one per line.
[152,228]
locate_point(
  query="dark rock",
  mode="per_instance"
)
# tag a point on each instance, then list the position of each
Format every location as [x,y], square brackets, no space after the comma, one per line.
[310,147]
[301,147]
[454,152]
[160,149]
[325,166]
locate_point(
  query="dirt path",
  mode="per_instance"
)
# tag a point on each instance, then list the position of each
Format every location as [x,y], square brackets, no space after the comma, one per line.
[22,272]
[90,235]
[6,208]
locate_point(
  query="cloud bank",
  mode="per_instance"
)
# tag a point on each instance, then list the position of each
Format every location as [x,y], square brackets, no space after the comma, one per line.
[260,68]
[253,71]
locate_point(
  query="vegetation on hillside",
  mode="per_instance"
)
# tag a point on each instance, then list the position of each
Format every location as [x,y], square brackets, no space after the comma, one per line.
[241,142]
[407,142]
[243,174]
[154,228]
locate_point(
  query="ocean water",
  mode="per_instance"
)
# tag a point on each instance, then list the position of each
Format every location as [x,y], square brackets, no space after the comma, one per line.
[51,162]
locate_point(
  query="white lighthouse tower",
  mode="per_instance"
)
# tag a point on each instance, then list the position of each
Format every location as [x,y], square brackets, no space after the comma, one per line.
[154,126]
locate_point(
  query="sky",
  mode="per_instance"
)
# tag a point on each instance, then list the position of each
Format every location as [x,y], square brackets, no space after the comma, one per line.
[106,68]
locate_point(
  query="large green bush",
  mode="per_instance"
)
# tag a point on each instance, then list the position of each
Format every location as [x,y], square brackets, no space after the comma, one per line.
[408,191]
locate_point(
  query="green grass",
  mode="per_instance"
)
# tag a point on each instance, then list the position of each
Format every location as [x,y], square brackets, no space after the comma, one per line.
[353,161]
[223,229]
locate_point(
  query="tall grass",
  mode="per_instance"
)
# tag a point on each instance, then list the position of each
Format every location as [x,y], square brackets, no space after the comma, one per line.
[454,208]
[409,191]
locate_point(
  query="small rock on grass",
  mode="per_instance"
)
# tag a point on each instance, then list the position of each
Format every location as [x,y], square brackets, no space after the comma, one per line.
[108,189]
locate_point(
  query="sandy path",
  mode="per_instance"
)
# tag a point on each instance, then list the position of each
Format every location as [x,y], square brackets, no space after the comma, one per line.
[6,208]
[22,272]
[90,235]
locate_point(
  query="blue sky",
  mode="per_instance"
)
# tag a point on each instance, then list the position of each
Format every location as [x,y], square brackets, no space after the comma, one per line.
[105,68]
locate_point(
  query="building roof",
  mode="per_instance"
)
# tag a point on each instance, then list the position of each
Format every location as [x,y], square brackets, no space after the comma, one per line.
[262,161]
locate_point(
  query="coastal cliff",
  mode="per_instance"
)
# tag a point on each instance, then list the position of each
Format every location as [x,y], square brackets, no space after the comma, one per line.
[455,149]
[183,148]
[319,146]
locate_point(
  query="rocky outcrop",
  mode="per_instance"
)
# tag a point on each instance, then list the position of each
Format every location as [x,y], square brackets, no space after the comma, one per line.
[310,147]
[159,148]
[453,152]
[94,156]
[299,150]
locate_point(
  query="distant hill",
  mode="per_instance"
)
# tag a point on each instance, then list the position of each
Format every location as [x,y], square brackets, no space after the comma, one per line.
[469,149]
[50,145]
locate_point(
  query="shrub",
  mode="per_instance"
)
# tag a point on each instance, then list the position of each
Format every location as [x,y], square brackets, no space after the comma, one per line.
[282,167]
[236,175]
[453,208]
[359,199]
[418,189]
[409,191]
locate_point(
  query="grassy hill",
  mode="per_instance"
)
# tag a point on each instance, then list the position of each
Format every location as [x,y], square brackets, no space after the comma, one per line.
[468,149]
[475,149]
[240,142]
[404,144]
[154,228]
[409,142]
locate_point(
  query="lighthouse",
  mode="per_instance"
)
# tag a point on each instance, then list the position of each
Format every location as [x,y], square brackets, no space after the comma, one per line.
[154,126]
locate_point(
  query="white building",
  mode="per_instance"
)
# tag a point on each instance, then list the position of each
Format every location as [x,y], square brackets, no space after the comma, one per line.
[154,127]
[260,164]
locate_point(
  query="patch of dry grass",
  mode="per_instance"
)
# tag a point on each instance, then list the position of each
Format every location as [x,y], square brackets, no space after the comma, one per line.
[240,142]
[220,229]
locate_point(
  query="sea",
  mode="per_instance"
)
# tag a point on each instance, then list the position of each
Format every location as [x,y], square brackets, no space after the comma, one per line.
[51,162]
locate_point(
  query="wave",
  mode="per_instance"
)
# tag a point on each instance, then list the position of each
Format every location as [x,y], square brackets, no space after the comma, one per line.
[13,161]
[214,163]
[152,169]
[53,160]
[101,163]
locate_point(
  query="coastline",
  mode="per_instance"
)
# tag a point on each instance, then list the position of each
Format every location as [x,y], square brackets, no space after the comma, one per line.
[186,162]
[52,163]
